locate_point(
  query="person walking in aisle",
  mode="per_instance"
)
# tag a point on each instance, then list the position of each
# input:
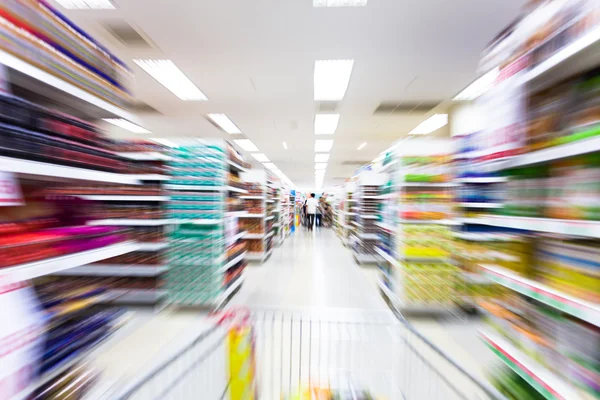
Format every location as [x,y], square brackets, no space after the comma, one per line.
[311,210]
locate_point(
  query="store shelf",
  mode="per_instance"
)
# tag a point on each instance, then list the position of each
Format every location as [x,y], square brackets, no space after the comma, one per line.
[370,197]
[195,188]
[388,257]
[235,166]
[50,266]
[429,184]
[252,197]
[423,259]
[480,205]
[145,156]
[232,262]
[254,236]
[151,177]
[429,221]
[355,223]
[369,216]
[565,303]
[62,367]
[150,246]
[485,237]
[115,270]
[488,179]
[235,190]
[269,234]
[270,218]
[386,227]
[48,171]
[365,258]
[564,227]
[387,196]
[101,197]
[130,222]
[198,221]
[238,236]
[36,80]
[538,376]
[369,236]
[252,216]
[477,279]
[576,57]
[580,147]
[139,296]
[229,291]
[236,213]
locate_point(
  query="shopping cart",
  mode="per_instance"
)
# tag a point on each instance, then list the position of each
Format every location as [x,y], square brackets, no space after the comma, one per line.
[308,355]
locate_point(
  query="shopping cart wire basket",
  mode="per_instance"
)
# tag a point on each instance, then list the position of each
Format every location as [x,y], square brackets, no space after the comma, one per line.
[297,354]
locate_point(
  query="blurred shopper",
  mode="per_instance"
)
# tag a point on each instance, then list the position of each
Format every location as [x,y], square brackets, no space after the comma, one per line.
[321,210]
[311,209]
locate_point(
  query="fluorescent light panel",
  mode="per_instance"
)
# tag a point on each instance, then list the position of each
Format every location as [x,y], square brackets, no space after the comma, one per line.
[270,165]
[224,123]
[320,166]
[86,4]
[284,145]
[326,124]
[339,3]
[123,123]
[246,144]
[260,157]
[431,124]
[319,158]
[320,173]
[362,146]
[171,77]
[323,146]
[331,78]
[479,86]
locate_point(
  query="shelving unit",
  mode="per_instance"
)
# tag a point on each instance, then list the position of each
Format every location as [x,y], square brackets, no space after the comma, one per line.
[416,207]
[207,248]
[260,218]
[56,65]
[549,204]
[148,262]
[364,237]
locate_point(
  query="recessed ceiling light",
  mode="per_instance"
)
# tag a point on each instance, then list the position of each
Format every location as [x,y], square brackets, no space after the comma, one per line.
[123,123]
[326,124]
[284,145]
[260,157]
[479,86]
[431,124]
[246,144]
[86,4]
[270,165]
[323,146]
[362,146]
[225,123]
[339,3]
[171,77]
[321,157]
[320,165]
[331,79]
[165,142]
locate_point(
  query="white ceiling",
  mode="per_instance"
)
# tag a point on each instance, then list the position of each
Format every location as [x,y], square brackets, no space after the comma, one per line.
[254,60]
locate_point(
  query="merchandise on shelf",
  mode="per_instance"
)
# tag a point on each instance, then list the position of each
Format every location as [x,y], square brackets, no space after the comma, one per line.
[35,32]
[202,252]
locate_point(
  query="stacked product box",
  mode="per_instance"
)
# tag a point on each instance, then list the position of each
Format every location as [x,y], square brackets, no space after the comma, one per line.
[197,243]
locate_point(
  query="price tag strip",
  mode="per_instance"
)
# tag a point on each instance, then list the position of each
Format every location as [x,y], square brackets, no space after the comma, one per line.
[581,309]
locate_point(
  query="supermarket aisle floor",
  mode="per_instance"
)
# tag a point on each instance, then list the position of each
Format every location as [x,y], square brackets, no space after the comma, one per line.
[311,269]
